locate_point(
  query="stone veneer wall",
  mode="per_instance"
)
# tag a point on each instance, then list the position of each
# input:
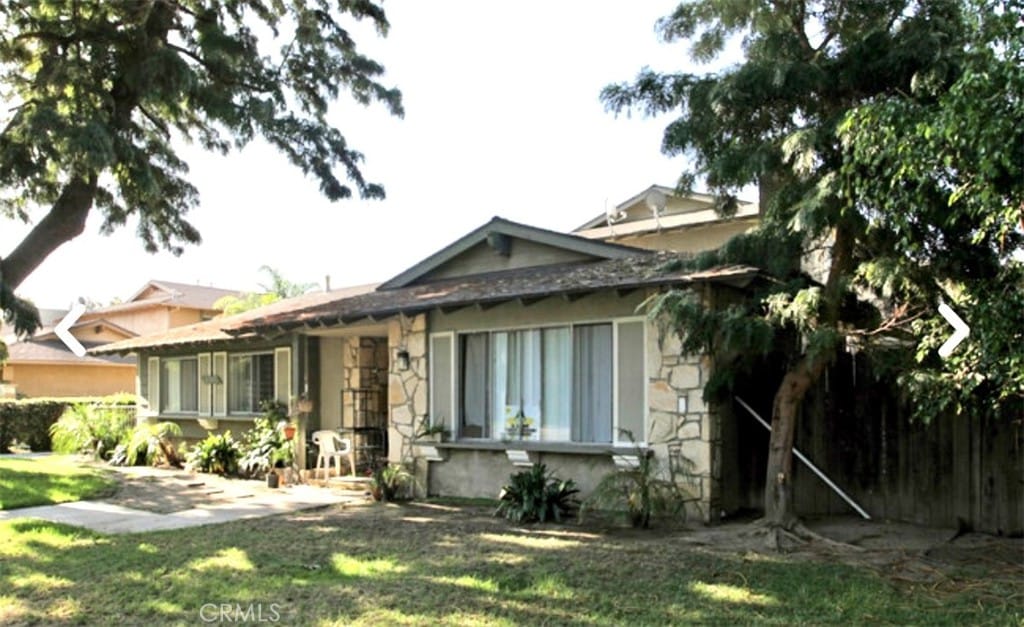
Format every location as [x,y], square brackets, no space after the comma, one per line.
[407,389]
[682,429]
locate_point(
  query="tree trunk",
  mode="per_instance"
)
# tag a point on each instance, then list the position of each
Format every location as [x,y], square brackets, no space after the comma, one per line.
[778,489]
[64,222]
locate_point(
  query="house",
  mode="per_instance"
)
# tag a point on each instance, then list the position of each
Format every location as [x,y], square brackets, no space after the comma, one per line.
[529,345]
[43,366]
[525,344]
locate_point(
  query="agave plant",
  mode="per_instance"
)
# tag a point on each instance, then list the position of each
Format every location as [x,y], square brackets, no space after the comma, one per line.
[535,495]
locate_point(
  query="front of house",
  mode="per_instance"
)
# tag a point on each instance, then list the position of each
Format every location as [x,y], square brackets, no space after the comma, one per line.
[525,345]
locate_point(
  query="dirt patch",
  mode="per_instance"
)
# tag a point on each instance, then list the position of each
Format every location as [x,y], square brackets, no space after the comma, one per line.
[165,491]
[906,554]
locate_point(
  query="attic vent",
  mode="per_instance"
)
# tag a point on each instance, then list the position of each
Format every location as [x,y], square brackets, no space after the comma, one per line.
[500,242]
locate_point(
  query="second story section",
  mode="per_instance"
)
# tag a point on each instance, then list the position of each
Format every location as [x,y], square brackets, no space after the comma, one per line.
[659,218]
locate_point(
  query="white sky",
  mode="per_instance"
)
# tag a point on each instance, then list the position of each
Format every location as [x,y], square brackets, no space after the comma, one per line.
[502,118]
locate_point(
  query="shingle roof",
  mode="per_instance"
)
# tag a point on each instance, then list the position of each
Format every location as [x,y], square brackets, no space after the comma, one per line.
[636,271]
[213,330]
[324,309]
[171,294]
[54,351]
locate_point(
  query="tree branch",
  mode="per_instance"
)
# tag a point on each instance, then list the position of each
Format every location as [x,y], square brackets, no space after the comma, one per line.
[64,222]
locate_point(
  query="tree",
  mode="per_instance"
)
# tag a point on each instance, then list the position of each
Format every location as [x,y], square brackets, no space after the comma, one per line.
[99,91]
[942,169]
[279,288]
[840,271]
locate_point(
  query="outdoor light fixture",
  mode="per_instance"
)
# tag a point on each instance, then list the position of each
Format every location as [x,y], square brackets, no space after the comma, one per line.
[402,359]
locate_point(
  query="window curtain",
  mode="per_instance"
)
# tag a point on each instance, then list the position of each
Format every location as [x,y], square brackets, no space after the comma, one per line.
[171,385]
[501,390]
[474,386]
[190,385]
[556,413]
[530,379]
[240,383]
[592,383]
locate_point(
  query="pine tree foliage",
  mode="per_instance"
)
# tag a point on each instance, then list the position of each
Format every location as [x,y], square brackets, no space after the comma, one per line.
[98,92]
[886,139]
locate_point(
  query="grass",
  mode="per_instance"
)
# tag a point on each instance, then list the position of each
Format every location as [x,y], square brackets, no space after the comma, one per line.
[25,482]
[435,564]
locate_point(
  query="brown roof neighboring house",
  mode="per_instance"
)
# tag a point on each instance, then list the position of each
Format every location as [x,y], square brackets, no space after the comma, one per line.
[213,330]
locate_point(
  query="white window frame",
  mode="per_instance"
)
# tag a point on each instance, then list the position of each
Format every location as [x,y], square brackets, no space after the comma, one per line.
[164,361]
[270,352]
[571,325]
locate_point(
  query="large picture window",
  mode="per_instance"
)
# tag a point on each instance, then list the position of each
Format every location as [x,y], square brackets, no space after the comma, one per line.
[250,381]
[552,384]
[179,385]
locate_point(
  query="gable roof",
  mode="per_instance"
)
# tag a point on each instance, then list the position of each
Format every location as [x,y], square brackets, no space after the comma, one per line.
[55,352]
[506,228]
[702,212]
[177,294]
[49,333]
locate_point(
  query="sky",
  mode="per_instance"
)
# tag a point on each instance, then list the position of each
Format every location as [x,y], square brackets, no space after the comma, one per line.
[503,118]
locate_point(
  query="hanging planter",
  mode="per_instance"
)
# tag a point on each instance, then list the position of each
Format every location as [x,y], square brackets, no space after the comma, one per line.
[289,431]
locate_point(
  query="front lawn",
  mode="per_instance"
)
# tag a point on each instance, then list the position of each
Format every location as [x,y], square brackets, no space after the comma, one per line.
[430,563]
[25,482]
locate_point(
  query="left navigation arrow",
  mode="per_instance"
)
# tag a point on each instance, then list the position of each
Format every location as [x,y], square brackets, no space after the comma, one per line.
[63,329]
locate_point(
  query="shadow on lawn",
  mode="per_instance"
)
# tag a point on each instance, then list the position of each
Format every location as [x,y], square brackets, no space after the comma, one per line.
[386,564]
[27,488]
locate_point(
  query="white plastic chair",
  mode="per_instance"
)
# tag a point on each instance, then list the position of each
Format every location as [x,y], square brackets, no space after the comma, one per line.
[332,446]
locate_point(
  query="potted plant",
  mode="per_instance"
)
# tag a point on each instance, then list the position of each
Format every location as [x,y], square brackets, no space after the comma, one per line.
[519,427]
[435,432]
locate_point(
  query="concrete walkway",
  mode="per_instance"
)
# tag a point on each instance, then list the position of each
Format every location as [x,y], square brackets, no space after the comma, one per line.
[235,500]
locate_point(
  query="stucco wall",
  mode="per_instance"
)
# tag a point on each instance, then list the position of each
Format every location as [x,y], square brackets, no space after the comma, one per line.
[482,473]
[332,351]
[70,380]
[522,254]
[692,239]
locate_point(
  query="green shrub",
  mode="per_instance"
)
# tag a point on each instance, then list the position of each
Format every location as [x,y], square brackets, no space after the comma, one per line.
[641,494]
[91,429]
[534,495]
[264,446]
[152,444]
[217,453]
[389,482]
[28,421]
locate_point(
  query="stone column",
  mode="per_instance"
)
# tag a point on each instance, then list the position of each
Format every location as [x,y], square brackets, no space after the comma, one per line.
[407,389]
[681,423]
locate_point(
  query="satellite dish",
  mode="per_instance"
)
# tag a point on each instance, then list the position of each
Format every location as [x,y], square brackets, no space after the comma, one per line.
[656,201]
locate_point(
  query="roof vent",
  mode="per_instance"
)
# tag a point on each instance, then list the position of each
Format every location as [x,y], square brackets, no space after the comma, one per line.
[500,242]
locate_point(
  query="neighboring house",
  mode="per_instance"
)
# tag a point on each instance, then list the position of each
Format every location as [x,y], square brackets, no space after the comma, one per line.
[43,366]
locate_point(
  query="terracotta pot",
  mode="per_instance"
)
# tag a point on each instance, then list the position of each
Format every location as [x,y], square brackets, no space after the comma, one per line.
[289,432]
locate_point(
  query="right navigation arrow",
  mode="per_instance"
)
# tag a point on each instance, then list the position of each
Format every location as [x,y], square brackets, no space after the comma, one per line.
[960,330]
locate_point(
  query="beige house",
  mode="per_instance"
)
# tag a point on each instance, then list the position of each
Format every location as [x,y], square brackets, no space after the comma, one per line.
[524,344]
[43,366]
